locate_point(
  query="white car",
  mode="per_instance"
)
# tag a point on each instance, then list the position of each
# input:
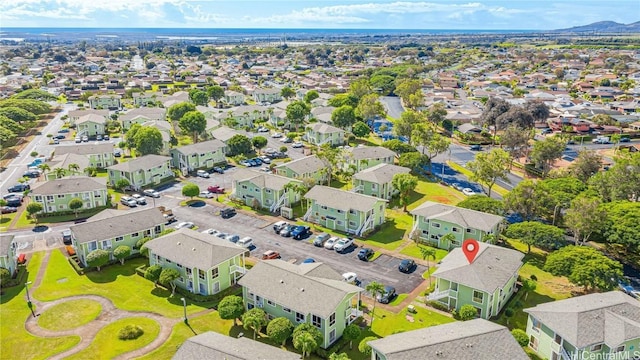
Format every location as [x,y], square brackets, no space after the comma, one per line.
[202,174]
[151,193]
[185,224]
[350,277]
[331,243]
[206,194]
[297,145]
[139,199]
[468,191]
[265,159]
[210,231]
[245,242]
[276,135]
[457,186]
[343,244]
[263,129]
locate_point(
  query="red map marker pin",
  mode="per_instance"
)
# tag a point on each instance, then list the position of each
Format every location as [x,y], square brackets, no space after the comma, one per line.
[470,249]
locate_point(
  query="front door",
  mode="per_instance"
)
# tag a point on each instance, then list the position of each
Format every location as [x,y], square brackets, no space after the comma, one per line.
[331,223]
[203,289]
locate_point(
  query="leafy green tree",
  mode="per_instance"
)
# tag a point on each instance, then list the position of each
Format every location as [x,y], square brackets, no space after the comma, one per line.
[168,276]
[343,117]
[398,146]
[287,92]
[536,233]
[546,152]
[121,253]
[405,184]
[489,167]
[523,199]
[415,161]
[148,140]
[297,111]
[623,224]
[539,111]
[343,99]
[364,346]
[5,276]
[360,129]
[131,135]
[254,319]
[259,142]
[584,266]
[432,143]
[383,84]
[521,337]
[584,217]
[215,92]
[310,96]
[33,209]
[193,122]
[279,330]
[350,333]
[17,114]
[98,258]
[407,87]
[309,328]
[360,88]
[586,165]
[177,111]
[467,312]
[405,126]
[374,288]
[330,156]
[296,187]
[239,144]
[152,273]
[621,181]
[231,307]
[437,113]
[36,107]
[121,184]
[190,189]
[11,125]
[75,204]
[35,94]
[304,341]
[341,356]
[483,203]
[198,97]
[515,140]
[369,107]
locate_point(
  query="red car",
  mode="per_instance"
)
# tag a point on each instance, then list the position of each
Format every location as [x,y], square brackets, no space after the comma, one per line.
[215,189]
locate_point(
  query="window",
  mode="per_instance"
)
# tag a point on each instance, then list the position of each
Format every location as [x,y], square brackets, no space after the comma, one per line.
[596,347]
[478,296]
[620,348]
[352,212]
[214,273]
[339,211]
[189,271]
[316,321]
[299,317]
[135,235]
[332,336]
[339,223]
[92,246]
[268,191]
[244,187]
[436,225]
[271,303]
[179,266]
[455,229]
[50,198]
[38,198]
[323,207]
[106,244]
[158,229]
[533,343]
[60,196]
[469,231]
[201,274]
[180,279]
[332,319]
[287,310]
[535,325]
[557,339]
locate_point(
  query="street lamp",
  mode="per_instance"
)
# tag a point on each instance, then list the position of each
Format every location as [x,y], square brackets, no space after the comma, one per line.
[29,304]
[184,305]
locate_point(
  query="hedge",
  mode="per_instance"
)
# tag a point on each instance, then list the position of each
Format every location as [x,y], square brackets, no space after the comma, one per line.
[73,260]
[19,279]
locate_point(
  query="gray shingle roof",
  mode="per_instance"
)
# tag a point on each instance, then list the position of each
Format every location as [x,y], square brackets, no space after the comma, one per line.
[141,163]
[144,112]
[108,224]
[308,164]
[80,113]
[69,185]
[211,345]
[261,179]
[306,288]
[340,199]
[611,318]
[193,249]
[223,133]
[324,128]
[87,149]
[91,118]
[466,218]
[201,147]
[63,161]
[381,173]
[370,152]
[491,269]
[477,339]
[5,244]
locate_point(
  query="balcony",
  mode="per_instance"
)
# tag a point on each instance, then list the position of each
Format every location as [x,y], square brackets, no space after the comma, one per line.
[437,295]
[237,269]
[354,314]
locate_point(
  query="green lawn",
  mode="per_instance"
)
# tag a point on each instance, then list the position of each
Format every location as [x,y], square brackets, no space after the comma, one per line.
[120,283]
[413,250]
[15,341]
[391,234]
[387,323]
[107,345]
[6,220]
[69,314]
[433,191]
[398,299]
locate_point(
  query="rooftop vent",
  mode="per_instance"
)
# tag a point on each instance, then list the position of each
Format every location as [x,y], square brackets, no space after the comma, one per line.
[179,243]
[193,249]
[302,289]
[281,281]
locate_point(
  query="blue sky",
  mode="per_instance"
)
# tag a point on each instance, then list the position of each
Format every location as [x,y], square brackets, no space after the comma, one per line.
[347,14]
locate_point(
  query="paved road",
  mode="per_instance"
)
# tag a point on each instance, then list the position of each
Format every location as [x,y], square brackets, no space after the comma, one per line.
[393,106]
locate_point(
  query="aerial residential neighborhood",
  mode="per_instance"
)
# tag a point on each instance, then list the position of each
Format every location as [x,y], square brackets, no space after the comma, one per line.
[380,197]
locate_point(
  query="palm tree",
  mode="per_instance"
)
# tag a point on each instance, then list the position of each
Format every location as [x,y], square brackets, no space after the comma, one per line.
[448,238]
[374,288]
[426,253]
[59,172]
[45,168]
[74,168]
[305,342]
[297,188]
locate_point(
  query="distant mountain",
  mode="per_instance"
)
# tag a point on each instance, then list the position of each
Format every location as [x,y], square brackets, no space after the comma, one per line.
[605,27]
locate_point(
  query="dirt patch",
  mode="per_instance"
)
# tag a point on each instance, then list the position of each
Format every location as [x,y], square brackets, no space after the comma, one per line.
[441,199]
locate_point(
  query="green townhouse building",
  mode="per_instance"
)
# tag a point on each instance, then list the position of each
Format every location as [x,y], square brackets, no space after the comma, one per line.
[313,293]
[320,133]
[486,283]
[376,180]
[246,115]
[308,167]
[69,163]
[476,339]
[55,195]
[91,125]
[111,228]
[593,326]
[145,98]
[142,171]
[100,154]
[263,190]
[200,155]
[344,210]
[74,115]
[431,221]
[8,259]
[142,115]
[363,157]
[110,102]
[212,345]
[266,95]
[207,264]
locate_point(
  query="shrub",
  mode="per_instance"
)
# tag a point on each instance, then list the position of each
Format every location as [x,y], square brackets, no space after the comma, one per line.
[521,337]
[438,305]
[130,332]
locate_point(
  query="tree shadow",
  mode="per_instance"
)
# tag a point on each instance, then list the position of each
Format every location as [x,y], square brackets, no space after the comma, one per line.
[110,273]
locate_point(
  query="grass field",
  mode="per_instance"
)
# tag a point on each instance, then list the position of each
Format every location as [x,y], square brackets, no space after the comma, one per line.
[413,250]
[69,314]
[387,323]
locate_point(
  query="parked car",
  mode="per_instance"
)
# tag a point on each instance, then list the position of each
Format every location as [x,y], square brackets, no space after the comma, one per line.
[270,254]
[18,196]
[286,140]
[14,201]
[227,213]
[8,209]
[301,232]
[388,295]
[85,138]
[350,277]
[475,147]
[320,239]
[233,238]
[65,130]
[287,230]
[468,191]
[151,193]
[276,135]
[140,200]
[66,237]
[457,186]
[625,139]
[308,261]
[215,189]
[265,159]
[546,131]
[78,139]
[245,163]
[406,265]
[128,201]
[263,129]
[206,194]
[18,188]
[297,145]
[343,244]
[32,174]
[116,152]
[56,141]
[99,137]
[331,242]
[185,225]
[279,225]
[245,242]
[364,254]
[202,174]
[210,231]
[105,138]
[59,137]
[221,235]
[216,169]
